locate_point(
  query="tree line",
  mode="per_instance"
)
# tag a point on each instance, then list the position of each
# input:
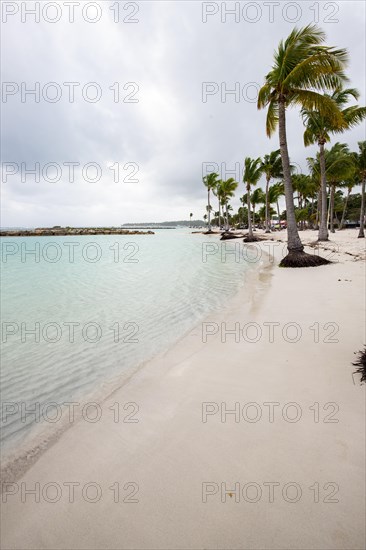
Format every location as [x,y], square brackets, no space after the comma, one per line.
[311,76]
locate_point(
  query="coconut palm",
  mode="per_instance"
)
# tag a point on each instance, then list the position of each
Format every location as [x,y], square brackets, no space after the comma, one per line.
[318,130]
[257,197]
[360,170]
[339,166]
[302,67]
[276,191]
[349,184]
[216,218]
[217,191]
[251,176]
[227,190]
[210,181]
[306,188]
[262,213]
[272,168]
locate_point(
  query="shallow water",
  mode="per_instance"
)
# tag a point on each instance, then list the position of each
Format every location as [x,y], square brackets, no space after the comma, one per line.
[78,323]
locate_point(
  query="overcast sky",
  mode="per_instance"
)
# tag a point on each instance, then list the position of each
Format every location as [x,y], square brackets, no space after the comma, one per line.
[163,136]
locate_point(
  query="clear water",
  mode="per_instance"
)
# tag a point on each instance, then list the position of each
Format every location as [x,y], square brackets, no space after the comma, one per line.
[154,289]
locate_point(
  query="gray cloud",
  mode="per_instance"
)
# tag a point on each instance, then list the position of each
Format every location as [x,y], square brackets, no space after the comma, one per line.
[170,131]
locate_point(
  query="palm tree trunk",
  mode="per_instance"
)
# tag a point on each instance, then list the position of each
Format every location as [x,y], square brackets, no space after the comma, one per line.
[300,208]
[318,209]
[331,208]
[323,229]
[219,215]
[278,213]
[344,209]
[227,218]
[250,229]
[361,234]
[268,230]
[294,244]
[208,213]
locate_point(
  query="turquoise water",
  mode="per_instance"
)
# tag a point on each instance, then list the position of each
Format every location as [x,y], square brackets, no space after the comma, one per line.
[98,314]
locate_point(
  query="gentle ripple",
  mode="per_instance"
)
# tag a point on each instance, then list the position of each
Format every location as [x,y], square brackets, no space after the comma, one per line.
[166,292]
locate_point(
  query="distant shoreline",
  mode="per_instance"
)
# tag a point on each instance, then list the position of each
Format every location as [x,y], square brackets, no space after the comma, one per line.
[67,231]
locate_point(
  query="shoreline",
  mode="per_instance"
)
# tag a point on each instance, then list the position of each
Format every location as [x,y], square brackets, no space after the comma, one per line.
[19,460]
[170,452]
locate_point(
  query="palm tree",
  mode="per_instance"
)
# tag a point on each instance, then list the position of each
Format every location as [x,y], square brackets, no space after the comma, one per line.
[349,184]
[227,190]
[258,197]
[208,210]
[251,176]
[318,130]
[276,191]
[339,166]
[262,213]
[217,190]
[210,181]
[243,211]
[229,215]
[190,219]
[302,67]
[306,188]
[217,217]
[360,166]
[314,168]
[272,168]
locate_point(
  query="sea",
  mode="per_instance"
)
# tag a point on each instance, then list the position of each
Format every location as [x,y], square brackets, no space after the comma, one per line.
[80,314]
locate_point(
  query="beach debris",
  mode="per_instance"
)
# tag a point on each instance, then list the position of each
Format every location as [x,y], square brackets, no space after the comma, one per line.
[227,236]
[360,363]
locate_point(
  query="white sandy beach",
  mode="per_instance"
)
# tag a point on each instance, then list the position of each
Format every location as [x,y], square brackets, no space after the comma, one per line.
[170,453]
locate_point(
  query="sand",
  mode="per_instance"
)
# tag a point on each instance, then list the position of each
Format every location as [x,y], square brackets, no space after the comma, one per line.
[284,471]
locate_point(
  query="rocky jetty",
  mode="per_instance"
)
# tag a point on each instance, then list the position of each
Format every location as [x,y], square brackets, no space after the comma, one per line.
[67,231]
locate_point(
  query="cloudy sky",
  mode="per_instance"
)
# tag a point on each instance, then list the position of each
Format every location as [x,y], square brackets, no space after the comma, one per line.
[126,142]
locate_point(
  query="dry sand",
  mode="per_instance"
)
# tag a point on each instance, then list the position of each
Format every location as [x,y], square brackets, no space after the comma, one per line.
[314,466]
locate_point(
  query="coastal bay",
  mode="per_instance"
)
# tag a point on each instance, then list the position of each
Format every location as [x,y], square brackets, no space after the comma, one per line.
[196,469]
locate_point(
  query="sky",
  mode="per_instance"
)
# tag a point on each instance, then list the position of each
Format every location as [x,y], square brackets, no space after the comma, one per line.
[131,103]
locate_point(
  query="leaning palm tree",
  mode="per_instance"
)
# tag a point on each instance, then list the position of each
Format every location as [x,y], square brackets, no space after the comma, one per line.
[251,176]
[272,168]
[360,170]
[302,67]
[318,130]
[210,181]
